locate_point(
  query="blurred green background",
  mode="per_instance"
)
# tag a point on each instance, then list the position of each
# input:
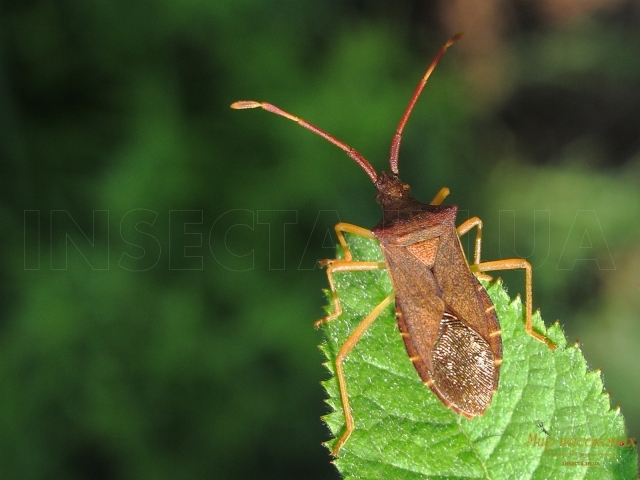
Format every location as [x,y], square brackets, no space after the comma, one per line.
[158,249]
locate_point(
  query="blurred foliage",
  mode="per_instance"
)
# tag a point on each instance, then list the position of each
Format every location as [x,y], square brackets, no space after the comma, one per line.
[142,343]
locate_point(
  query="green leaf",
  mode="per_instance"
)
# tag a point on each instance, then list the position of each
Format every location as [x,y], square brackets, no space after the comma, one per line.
[404,432]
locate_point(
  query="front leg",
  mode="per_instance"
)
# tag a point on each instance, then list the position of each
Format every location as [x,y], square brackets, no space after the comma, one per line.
[345,265]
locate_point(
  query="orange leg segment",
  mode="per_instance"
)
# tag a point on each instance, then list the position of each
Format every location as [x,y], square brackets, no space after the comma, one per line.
[440,196]
[514,264]
[465,227]
[342,228]
[340,358]
[345,265]
[348,265]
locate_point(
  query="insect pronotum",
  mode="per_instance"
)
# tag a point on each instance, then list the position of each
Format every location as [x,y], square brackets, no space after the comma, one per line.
[446,319]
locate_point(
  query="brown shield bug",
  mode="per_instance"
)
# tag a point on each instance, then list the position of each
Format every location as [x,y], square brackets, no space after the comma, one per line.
[448,323]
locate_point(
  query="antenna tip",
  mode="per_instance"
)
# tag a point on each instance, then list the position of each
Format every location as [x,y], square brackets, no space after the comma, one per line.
[454,39]
[242,104]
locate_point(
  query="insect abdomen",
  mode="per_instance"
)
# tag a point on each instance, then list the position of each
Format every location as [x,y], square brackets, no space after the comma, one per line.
[463,370]
[463,366]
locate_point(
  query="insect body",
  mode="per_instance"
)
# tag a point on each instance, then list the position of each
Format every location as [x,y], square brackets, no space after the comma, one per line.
[448,323]
[446,318]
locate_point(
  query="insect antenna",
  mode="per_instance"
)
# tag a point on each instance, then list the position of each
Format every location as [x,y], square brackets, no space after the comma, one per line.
[397,138]
[357,157]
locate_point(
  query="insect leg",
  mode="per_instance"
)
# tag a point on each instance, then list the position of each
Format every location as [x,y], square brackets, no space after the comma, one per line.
[342,354]
[465,227]
[353,229]
[440,196]
[345,265]
[514,264]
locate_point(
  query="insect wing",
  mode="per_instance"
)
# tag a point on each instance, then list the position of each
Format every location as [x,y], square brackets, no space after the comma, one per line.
[447,321]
